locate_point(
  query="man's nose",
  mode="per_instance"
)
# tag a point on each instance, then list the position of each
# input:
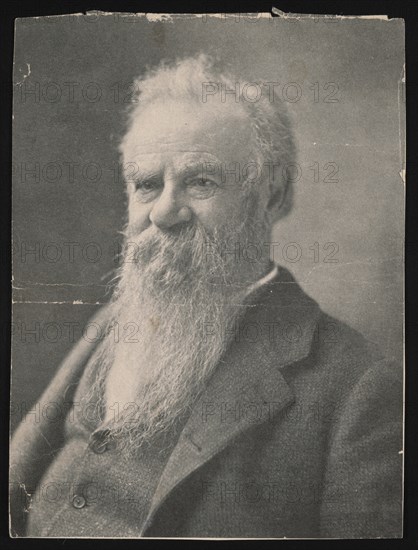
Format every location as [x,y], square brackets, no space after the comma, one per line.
[170,209]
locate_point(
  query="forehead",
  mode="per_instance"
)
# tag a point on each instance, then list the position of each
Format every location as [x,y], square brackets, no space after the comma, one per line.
[175,159]
[189,132]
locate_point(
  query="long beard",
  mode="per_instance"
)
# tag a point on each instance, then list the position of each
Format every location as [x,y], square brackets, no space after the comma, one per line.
[175,306]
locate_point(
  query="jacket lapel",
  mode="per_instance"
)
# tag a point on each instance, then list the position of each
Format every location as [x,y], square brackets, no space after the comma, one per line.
[248,386]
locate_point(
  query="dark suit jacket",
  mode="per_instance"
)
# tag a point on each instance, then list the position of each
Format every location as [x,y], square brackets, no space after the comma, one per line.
[298,434]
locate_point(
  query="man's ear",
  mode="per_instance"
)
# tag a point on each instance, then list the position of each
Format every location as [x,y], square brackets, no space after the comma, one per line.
[275,200]
[279,201]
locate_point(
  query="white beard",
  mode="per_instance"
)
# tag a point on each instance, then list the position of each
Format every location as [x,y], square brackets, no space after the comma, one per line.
[179,300]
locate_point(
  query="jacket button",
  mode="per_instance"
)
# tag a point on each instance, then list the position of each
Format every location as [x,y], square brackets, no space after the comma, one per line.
[98,447]
[79,501]
[100,442]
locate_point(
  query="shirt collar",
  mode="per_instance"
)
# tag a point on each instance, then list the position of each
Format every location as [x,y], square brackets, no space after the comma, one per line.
[264,280]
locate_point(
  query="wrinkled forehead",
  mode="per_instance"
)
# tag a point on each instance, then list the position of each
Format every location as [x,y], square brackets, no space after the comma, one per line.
[190,130]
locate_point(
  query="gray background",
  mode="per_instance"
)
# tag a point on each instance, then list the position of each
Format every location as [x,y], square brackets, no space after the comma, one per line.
[362,212]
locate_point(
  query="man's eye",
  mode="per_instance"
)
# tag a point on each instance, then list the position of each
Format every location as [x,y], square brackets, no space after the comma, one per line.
[146,186]
[147,190]
[201,187]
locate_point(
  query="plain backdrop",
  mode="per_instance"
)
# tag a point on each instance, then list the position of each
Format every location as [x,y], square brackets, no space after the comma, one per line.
[72,86]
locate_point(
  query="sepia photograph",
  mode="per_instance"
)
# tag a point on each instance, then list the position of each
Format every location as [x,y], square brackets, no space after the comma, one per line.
[208,218]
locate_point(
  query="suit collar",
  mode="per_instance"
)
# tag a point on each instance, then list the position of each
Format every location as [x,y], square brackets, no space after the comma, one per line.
[248,387]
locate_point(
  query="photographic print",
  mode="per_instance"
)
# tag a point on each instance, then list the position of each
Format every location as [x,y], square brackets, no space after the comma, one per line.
[208,276]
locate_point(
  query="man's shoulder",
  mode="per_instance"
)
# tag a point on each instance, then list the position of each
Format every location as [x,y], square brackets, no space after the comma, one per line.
[335,339]
[335,354]
[345,358]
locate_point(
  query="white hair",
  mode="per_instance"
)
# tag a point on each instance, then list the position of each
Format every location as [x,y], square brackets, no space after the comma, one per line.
[270,120]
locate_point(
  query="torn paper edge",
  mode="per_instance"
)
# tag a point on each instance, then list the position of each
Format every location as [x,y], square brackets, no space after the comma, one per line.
[289,15]
[275,13]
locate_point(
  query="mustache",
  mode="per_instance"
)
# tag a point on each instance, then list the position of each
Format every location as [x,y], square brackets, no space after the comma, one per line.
[193,234]
[185,246]
[167,261]
[183,233]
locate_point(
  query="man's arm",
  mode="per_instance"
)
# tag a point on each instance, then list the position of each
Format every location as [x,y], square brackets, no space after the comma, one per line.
[362,494]
[35,440]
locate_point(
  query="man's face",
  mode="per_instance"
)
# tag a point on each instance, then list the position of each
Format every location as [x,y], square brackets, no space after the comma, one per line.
[186,162]
[182,197]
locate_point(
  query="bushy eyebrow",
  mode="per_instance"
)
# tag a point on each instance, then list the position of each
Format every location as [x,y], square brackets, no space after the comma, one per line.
[205,166]
[195,162]
[200,169]
[133,171]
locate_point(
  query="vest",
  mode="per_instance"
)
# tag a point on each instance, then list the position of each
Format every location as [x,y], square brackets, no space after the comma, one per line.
[94,486]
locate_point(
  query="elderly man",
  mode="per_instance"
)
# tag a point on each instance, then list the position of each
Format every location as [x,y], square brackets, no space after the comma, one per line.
[221,401]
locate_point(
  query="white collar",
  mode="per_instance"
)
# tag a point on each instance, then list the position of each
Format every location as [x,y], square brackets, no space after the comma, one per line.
[264,280]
